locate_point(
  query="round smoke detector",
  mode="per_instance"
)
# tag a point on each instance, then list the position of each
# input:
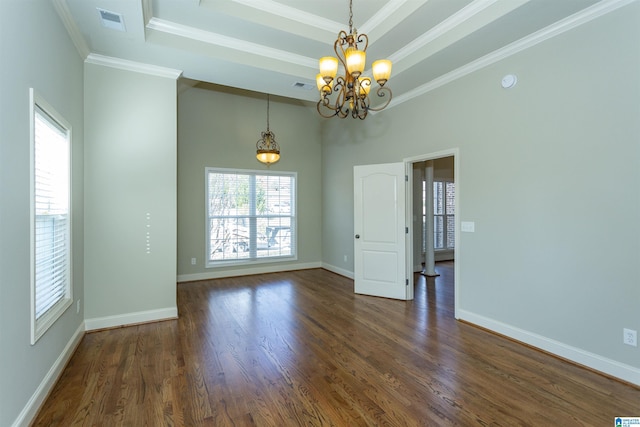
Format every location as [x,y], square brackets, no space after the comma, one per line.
[509,81]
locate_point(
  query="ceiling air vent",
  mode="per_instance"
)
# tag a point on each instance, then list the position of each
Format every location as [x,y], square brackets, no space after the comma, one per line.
[305,86]
[112,20]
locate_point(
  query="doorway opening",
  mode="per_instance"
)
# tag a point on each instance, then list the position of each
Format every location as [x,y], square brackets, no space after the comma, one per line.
[432,205]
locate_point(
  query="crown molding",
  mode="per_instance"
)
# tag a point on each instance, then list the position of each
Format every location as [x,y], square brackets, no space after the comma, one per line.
[64,13]
[229,42]
[560,27]
[138,67]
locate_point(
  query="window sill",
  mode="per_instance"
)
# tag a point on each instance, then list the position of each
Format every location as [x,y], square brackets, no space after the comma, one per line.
[41,325]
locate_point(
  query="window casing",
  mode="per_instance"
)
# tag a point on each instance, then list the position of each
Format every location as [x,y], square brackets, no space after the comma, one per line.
[251,216]
[51,289]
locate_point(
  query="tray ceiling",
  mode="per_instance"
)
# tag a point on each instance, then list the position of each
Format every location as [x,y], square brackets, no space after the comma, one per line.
[273,46]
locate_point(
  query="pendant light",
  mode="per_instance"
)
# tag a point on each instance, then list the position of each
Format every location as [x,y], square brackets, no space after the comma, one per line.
[267,149]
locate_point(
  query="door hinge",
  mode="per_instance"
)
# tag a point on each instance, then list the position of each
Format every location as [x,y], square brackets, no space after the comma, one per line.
[406,178]
[406,230]
[407,281]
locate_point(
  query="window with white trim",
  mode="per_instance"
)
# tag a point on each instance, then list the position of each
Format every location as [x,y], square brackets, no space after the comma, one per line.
[251,216]
[51,290]
[444,202]
[444,222]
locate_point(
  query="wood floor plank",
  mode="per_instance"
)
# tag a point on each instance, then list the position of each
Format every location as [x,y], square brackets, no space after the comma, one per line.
[300,348]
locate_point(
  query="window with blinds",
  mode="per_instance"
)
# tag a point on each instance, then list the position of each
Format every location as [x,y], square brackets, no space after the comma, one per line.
[251,216]
[51,219]
[444,222]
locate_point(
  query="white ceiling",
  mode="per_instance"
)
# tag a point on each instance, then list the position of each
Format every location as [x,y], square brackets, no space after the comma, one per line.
[270,45]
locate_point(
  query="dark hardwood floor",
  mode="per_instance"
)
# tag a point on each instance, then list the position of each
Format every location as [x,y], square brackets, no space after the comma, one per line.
[299,348]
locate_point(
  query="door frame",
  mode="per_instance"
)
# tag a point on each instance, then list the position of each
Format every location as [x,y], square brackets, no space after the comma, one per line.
[408,164]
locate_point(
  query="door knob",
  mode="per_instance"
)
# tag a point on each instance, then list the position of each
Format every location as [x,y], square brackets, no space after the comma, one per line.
[357,236]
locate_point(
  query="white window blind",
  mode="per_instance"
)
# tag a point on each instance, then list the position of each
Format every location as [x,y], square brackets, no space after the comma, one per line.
[444,214]
[51,276]
[251,216]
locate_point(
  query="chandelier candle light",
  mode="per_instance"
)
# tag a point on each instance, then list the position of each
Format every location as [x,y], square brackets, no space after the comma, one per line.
[353,88]
[267,149]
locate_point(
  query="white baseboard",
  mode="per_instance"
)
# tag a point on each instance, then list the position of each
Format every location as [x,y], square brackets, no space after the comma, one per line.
[445,255]
[218,274]
[338,270]
[594,361]
[30,410]
[131,318]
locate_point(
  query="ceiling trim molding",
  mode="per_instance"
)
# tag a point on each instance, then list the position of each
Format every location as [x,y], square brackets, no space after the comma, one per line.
[313,20]
[288,12]
[147,11]
[138,67]
[441,29]
[230,42]
[79,42]
[567,24]
[381,15]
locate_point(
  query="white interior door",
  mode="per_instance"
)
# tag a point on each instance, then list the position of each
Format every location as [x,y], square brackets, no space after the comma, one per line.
[379,231]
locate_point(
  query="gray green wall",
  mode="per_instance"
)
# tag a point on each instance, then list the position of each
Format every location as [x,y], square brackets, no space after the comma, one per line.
[549,172]
[36,52]
[219,127]
[130,196]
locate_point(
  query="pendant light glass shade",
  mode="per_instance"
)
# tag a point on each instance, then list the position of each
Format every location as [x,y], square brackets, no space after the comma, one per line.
[356,60]
[322,84]
[328,67]
[268,157]
[381,71]
[365,86]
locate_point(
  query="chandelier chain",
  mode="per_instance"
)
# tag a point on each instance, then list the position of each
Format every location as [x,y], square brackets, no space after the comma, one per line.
[350,16]
[267,113]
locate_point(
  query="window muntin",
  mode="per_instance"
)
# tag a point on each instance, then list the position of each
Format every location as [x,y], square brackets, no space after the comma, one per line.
[51,288]
[250,216]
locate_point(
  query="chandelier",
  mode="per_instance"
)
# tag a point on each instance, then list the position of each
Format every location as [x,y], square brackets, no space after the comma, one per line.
[267,149]
[353,88]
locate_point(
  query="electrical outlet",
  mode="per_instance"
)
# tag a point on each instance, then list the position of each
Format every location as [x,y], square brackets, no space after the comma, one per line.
[78,307]
[345,258]
[630,337]
[193,261]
